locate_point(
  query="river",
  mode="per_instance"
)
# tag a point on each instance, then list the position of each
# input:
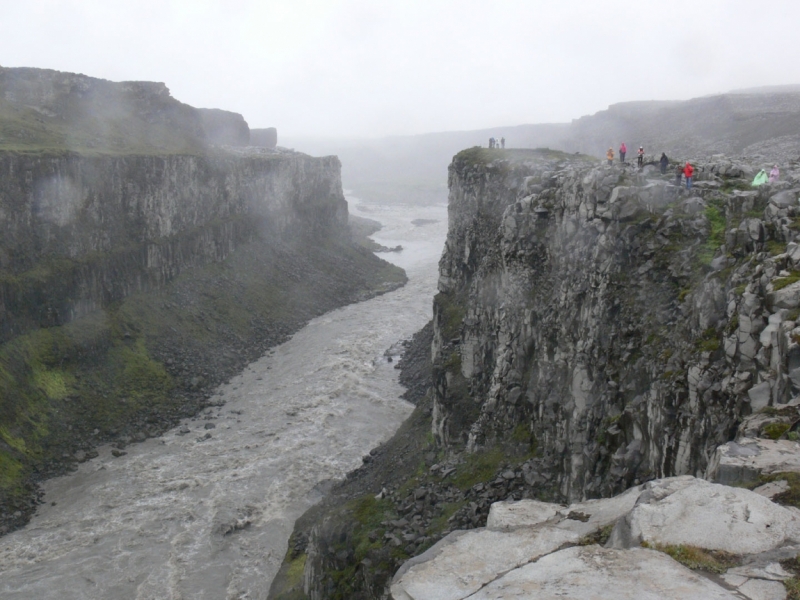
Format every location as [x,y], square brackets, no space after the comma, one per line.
[207,514]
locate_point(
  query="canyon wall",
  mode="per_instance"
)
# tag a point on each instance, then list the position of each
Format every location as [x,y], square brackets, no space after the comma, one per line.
[597,326]
[606,310]
[80,232]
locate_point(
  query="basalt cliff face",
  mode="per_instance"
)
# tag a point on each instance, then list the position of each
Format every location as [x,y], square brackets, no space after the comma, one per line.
[629,325]
[141,264]
[597,327]
[81,232]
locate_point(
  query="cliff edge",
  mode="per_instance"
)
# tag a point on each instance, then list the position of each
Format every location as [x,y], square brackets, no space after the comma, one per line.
[597,327]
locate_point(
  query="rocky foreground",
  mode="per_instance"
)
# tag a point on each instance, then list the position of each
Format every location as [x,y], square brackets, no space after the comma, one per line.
[674,538]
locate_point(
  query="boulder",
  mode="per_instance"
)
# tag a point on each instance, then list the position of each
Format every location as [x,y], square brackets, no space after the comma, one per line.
[788,297]
[744,461]
[784,199]
[693,205]
[706,515]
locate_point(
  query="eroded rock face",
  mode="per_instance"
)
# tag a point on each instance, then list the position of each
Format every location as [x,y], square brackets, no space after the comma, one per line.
[526,556]
[110,226]
[611,315]
[597,327]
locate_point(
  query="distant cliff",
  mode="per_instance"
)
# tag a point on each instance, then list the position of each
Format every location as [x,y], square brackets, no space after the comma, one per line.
[224,127]
[268,138]
[596,327]
[141,264]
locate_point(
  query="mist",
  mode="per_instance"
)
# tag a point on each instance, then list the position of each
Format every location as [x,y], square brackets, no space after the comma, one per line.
[353,68]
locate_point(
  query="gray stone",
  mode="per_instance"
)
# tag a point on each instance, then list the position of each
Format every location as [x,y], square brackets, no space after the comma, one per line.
[788,297]
[462,567]
[505,516]
[744,461]
[760,395]
[594,573]
[708,515]
[693,205]
[784,199]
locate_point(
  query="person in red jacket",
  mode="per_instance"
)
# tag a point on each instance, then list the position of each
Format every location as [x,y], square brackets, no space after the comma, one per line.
[688,171]
[622,150]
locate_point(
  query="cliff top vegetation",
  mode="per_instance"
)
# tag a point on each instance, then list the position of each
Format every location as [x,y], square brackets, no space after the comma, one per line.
[483,156]
[44,111]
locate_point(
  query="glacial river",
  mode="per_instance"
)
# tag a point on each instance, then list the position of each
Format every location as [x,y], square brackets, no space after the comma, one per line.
[206,515]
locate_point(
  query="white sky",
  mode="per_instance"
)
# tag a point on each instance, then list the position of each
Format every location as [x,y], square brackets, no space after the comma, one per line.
[379,67]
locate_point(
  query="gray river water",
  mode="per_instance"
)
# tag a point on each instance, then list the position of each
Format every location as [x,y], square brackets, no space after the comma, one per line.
[182,517]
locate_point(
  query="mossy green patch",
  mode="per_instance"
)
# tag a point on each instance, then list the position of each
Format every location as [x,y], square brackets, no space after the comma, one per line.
[451,312]
[775,431]
[709,341]
[294,574]
[790,497]
[108,122]
[792,586]
[478,467]
[11,471]
[775,247]
[599,537]
[453,362]
[782,282]
[699,559]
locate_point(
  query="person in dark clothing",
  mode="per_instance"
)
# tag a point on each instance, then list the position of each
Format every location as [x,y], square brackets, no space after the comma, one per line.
[502,142]
[664,162]
[678,175]
[491,142]
[640,157]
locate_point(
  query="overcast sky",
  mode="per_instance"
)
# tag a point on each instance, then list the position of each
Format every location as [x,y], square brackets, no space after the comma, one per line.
[374,67]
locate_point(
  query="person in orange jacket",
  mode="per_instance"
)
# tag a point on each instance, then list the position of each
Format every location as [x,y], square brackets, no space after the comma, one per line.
[610,155]
[688,171]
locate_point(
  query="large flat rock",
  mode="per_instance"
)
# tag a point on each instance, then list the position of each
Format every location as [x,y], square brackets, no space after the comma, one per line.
[594,573]
[745,460]
[461,568]
[707,515]
[533,549]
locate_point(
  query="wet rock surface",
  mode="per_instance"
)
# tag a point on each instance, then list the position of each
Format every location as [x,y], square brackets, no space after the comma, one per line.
[522,549]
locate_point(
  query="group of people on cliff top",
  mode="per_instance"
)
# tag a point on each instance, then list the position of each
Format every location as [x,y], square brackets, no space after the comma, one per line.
[493,143]
[681,171]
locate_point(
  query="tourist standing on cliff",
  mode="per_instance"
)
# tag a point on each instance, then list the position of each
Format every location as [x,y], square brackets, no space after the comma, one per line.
[640,157]
[610,155]
[622,150]
[774,175]
[491,142]
[503,142]
[688,171]
[664,162]
[678,175]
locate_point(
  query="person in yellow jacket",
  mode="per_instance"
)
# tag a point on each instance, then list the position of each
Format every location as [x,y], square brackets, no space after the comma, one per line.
[610,155]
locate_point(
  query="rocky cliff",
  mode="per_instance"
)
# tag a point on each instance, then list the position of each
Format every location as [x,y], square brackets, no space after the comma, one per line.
[136,275]
[619,318]
[597,327]
[81,232]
